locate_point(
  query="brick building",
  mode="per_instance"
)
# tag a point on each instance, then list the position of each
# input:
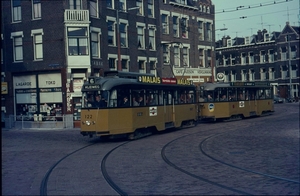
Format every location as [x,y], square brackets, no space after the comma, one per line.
[265,56]
[49,48]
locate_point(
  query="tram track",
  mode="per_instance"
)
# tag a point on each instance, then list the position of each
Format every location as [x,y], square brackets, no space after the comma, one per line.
[109,180]
[43,187]
[221,162]
[238,167]
[206,180]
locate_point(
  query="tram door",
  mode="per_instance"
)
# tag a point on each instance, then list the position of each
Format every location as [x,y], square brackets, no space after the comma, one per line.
[168,106]
[252,102]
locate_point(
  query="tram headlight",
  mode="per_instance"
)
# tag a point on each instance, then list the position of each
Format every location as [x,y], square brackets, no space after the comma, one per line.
[88,123]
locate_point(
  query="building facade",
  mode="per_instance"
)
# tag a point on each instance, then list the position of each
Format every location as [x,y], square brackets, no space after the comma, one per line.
[49,48]
[271,57]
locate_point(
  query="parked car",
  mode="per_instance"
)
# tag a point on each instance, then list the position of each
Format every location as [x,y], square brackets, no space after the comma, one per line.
[278,99]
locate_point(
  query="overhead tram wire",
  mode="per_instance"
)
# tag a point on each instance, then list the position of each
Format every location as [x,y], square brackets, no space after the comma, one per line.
[238,8]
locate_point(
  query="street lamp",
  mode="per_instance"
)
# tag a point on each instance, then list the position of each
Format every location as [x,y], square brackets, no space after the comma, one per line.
[211,56]
[118,37]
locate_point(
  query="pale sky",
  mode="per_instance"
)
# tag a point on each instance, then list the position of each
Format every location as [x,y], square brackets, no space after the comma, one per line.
[262,14]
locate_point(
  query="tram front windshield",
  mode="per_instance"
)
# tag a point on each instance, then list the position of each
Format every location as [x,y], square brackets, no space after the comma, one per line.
[95,99]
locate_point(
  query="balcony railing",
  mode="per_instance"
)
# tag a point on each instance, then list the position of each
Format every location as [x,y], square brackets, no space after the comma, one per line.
[77,16]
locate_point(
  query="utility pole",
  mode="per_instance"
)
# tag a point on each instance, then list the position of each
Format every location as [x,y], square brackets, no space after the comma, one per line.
[212,56]
[290,67]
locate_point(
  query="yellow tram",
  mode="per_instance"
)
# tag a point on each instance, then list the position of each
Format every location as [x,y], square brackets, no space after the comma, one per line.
[135,105]
[235,100]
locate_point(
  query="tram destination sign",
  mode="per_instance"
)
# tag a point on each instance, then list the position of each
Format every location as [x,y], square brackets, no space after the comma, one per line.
[91,87]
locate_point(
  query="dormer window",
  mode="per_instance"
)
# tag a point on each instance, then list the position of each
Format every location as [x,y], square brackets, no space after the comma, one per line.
[229,43]
[247,40]
[266,37]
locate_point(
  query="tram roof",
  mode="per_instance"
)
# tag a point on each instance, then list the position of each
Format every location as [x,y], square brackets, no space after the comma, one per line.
[107,83]
[213,86]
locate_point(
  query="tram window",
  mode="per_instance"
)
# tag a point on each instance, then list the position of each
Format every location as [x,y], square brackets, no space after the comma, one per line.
[223,94]
[151,97]
[167,97]
[231,94]
[176,97]
[182,97]
[216,95]
[113,99]
[252,93]
[261,94]
[241,93]
[190,97]
[160,97]
[268,93]
[208,96]
[201,96]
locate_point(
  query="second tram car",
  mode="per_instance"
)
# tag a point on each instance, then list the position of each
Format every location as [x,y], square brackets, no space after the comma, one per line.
[134,104]
[235,100]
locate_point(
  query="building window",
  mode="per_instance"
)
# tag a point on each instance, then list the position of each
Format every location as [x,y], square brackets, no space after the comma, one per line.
[75,4]
[142,67]
[244,75]
[123,34]
[122,5]
[95,44]
[153,67]
[176,56]
[262,74]
[200,30]
[262,56]
[112,63]
[16,11]
[78,41]
[36,9]
[124,63]
[18,48]
[243,58]
[175,26]
[251,58]
[201,57]
[166,54]
[271,73]
[111,33]
[152,39]
[185,56]
[293,52]
[150,9]
[283,54]
[139,3]
[94,8]
[294,70]
[232,59]
[184,28]
[109,4]
[38,46]
[271,56]
[251,75]
[165,24]
[233,76]
[208,31]
[140,31]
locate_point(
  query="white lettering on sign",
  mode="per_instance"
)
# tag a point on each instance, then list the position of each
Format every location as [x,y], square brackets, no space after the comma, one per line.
[192,71]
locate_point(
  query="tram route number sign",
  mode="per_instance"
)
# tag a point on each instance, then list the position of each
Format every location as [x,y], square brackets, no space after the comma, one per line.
[152,111]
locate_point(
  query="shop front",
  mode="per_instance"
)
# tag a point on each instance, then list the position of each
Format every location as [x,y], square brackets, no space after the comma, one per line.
[38,97]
